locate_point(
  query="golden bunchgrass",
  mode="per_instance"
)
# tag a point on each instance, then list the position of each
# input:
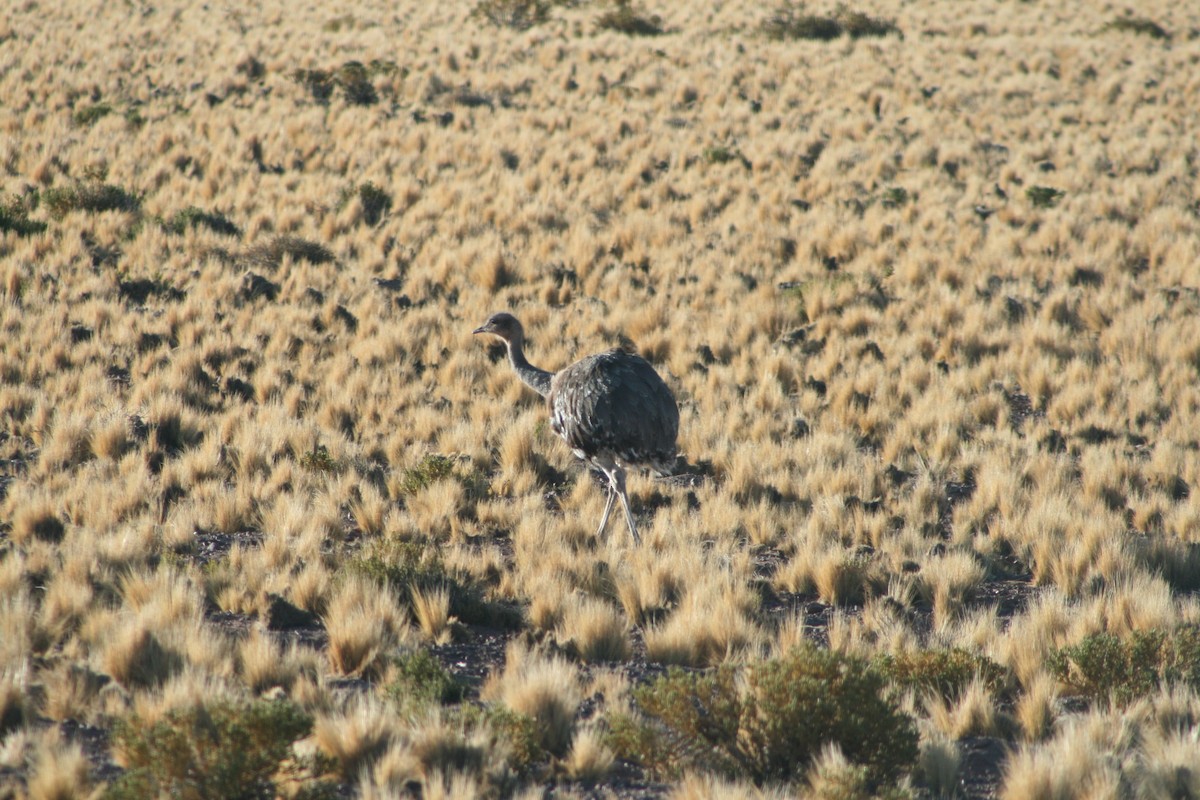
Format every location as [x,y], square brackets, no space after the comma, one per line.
[59,771]
[911,387]
[355,735]
[544,688]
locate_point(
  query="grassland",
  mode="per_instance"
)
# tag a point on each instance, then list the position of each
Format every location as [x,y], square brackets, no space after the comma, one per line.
[923,277]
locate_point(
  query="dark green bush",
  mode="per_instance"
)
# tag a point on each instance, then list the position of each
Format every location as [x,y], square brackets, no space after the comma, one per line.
[355,82]
[519,15]
[894,197]
[1105,667]
[375,201]
[15,217]
[944,672]
[519,732]
[768,720]
[193,217]
[353,78]
[271,253]
[624,18]
[1142,25]
[421,680]
[435,467]
[856,24]
[90,197]
[319,460]
[1044,196]
[86,115]
[228,750]
[790,21]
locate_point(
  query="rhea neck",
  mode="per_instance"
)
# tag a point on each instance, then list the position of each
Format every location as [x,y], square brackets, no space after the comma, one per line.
[531,376]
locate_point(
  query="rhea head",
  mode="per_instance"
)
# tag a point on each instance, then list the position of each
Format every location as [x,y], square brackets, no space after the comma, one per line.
[505,326]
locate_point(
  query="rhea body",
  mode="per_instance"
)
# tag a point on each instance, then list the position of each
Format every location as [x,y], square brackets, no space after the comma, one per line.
[612,409]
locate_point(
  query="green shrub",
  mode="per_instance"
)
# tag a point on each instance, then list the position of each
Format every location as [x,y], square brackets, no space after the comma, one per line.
[894,197]
[623,18]
[353,78]
[1107,668]
[375,201]
[519,732]
[856,24]
[519,15]
[228,750]
[768,720]
[15,217]
[318,82]
[435,467]
[1142,25]
[319,460]
[944,672]
[193,217]
[432,468]
[91,197]
[789,21]
[1044,196]
[86,115]
[271,253]
[355,82]
[421,680]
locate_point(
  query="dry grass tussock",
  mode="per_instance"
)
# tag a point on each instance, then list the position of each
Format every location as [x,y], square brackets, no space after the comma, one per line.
[921,275]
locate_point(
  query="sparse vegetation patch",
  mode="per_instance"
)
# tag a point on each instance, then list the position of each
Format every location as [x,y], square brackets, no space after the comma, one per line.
[516,14]
[90,197]
[1044,196]
[769,720]
[1106,667]
[193,217]
[1141,25]
[791,21]
[222,749]
[624,17]
[14,216]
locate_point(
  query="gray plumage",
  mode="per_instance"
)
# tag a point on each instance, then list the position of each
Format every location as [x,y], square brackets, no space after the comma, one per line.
[612,409]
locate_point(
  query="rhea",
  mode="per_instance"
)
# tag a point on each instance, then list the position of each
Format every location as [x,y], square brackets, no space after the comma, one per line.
[612,409]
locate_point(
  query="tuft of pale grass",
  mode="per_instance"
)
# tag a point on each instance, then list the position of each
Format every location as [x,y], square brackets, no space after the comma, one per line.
[15,703]
[947,583]
[60,771]
[264,665]
[363,621]
[441,745]
[713,623]
[590,759]
[596,631]
[1082,760]
[972,713]
[136,657]
[544,688]
[940,762]
[832,776]
[1035,708]
[36,519]
[705,786]
[71,692]
[356,734]
[431,607]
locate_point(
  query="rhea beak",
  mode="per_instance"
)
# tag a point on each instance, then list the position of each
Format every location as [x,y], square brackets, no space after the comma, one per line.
[480,329]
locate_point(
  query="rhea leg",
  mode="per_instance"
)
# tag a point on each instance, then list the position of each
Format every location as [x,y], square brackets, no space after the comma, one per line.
[617,476]
[616,489]
[607,510]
